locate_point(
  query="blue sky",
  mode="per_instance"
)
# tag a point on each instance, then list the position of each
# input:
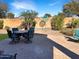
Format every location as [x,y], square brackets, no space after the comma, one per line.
[52,7]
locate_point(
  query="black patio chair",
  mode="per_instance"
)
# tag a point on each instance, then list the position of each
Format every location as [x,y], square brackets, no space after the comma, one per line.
[9,33]
[29,34]
[14,29]
[13,36]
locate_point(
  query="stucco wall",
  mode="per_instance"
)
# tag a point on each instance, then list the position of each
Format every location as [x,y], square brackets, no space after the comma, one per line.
[17,22]
[47,25]
[67,20]
[12,23]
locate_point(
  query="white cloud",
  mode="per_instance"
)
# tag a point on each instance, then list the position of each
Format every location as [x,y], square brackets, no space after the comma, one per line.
[23,5]
[53,4]
[56,2]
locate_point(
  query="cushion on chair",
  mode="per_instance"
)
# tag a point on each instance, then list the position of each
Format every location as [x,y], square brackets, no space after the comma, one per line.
[31,32]
[14,29]
[76,32]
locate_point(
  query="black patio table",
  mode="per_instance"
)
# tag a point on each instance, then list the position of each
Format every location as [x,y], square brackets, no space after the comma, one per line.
[21,33]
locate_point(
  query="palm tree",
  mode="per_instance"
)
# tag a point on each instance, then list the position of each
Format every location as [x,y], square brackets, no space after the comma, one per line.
[29,14]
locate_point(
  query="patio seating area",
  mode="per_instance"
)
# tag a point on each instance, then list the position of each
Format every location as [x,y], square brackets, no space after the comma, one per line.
[16,35]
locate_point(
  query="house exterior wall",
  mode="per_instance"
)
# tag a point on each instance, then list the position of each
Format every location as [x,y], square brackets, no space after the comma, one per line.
[67,20]
[46,26]
[17,22]
[12,23]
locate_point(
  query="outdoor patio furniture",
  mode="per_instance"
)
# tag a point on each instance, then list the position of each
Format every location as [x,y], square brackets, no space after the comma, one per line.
[29,34]
[14,29]
[75,35]
[9,33]
[26,35]
[23,33]
[13,36]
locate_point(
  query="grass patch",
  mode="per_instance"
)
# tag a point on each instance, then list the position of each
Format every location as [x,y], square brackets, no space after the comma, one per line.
[3,36]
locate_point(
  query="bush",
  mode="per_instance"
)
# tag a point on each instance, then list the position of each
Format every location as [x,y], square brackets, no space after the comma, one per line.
[57,22]
[67,31]
[1,24]
[34,23]
[75,23]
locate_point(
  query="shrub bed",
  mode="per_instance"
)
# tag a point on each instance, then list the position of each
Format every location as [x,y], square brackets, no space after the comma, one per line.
[67,31]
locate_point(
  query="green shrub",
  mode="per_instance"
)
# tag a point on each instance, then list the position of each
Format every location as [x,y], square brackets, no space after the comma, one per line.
[28,20]
[57,22]
[75,23]
[67,31]
[34,23]
[1,24]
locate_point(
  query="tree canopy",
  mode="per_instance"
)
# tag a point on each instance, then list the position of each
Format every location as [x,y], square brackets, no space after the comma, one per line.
[71,8]
[57,21]
[10,15]
[3,10]
[29,14]
[47,15]
[4,7]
